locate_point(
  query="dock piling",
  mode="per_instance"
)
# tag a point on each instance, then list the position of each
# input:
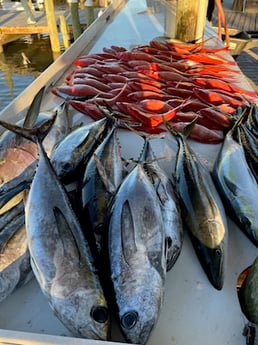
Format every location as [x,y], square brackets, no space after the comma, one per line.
[76,26]
[64,31]
[190,20]
[51,20]
[89,11]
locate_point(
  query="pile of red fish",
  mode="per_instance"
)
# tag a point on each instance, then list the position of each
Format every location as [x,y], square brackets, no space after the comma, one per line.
[160,81]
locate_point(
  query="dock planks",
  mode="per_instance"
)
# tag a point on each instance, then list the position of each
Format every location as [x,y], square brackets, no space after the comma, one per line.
[242,21]
[13,24]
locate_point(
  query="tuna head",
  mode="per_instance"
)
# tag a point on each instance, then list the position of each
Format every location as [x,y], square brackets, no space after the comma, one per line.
[74,310]
[211,250]
[139,311]
[69,281]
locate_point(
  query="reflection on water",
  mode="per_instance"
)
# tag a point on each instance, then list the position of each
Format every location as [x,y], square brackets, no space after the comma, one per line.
[21,63]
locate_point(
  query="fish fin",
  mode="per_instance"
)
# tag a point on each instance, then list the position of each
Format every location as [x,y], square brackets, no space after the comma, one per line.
[70,244]
[34,134]
[241,117]
[188,128]
[34,109]
[127,233]
[103,175]
[185,132]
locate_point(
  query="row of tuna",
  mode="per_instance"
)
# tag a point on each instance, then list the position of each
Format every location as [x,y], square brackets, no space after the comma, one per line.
[109,242]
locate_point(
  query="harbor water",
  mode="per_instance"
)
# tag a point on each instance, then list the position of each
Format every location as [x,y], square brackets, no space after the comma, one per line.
[23,60]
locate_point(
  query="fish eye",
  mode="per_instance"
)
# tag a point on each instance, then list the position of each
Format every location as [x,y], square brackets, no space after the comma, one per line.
[129,319]
[168,242]
[66,166]
[245,221]
[99,314]
[218,252]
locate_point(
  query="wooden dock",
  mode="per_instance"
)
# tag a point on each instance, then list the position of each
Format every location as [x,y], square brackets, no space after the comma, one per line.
[242,26]
[13,24]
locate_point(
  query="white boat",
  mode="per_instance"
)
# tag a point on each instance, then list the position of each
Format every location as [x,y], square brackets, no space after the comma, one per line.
[193,312]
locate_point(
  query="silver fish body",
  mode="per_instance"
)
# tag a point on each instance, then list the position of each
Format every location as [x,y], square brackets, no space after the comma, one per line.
[237,186]
[76,148]
[202,211]
[137,256]
[169,204]
[60,257]
[11,189]
[102,177]
[15,268]
[250,145]
[10,221]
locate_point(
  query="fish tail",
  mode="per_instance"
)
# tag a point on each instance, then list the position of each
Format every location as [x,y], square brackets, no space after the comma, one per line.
[186,131]
[34,108]
[35,134]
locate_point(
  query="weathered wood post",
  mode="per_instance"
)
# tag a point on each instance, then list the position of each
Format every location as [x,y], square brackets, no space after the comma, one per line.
[77,30]
[64,31]
[4,67]
[51,22]
[190,20]
[89,11]
[103,3]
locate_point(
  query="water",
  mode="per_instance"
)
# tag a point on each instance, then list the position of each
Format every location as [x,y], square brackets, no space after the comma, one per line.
[15,73]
